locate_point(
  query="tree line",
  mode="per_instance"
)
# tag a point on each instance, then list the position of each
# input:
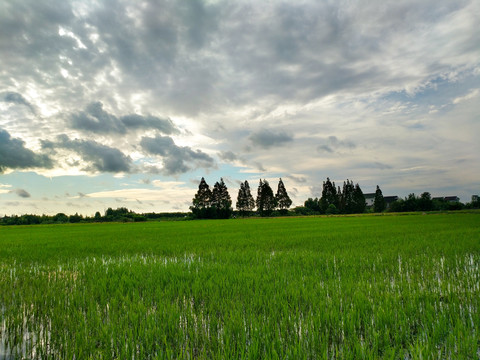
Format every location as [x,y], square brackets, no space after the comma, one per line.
[217,203]
[121,214]
[348,200]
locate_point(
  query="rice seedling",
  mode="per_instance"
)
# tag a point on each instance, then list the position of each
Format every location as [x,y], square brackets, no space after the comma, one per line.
[393,287]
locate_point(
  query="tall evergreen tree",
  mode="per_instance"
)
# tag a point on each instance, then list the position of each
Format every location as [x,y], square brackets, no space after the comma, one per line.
[282,199]
[378,202]
[329,195]
[241,200]
[250,202]
[265,199]
[347,202]
[358,200]
[221,201]
[258,200]
[202,201]
[245,202]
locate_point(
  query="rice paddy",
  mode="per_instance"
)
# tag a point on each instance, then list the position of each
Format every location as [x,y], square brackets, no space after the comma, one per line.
[368,287]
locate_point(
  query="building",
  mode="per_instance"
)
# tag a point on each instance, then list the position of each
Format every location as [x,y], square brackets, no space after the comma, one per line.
[450,199]
[370,200]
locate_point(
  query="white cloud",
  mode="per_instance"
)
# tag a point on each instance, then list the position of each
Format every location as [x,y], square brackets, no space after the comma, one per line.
[471,95]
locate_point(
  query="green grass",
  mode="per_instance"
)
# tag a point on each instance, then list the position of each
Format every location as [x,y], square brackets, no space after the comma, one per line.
[393,287]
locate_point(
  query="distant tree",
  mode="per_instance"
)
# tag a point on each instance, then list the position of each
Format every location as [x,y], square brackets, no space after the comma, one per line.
[379,202]
[331,210]
[265,200]
[358,200]
[329,195]
[60,218]
[75,218]
[282,199]
[245,202]
[313,205]
[346,198]
[396,206]
[221,202]
[425,202]
[410,203]
[202,201]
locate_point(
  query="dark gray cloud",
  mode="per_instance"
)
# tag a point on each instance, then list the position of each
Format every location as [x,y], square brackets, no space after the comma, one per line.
[227,156]
[21,192]
[16,98]
[176,159]
[267,138]
[333,144]
[95,119]
[14,154]
[101,158]
[188,55]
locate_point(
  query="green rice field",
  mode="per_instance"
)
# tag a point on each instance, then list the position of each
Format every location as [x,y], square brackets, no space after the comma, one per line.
[365,287]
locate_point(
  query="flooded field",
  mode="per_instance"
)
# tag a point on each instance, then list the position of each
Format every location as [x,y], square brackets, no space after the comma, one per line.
[397,287]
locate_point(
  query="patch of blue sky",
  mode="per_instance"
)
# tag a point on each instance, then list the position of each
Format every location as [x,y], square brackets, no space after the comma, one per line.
[438,93]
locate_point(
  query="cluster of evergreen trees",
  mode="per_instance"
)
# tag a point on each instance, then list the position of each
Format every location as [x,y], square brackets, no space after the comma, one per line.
[217,204]
[208,204]
[349,200]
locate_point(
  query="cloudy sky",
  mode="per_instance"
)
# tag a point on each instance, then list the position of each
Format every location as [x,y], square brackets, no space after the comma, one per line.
[129,103]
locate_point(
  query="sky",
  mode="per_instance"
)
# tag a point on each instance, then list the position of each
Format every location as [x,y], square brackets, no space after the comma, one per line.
[130,103]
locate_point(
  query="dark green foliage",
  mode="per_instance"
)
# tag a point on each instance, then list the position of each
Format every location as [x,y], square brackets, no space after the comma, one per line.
[60,218]
[215,204]
[379,202]
[121,214]
[331,210]
[202,201]
[75,218]
[347,201]
[282,199]
[245,202]
[474,204]
[425,203]
[359,200]
[221,202]
[329,196]
[313,205]
[410,203]
[265,199]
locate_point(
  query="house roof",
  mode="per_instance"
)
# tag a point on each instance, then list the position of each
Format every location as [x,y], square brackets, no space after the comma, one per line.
[451,198]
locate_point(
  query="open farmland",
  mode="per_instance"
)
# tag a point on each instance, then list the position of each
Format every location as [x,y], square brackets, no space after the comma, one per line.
[394,287]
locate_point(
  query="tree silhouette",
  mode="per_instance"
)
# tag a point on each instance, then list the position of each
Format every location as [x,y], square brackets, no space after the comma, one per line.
[221,201]
[202,201]
[281,198]
[359,200]
[265,200]
[379,202]
[329,196]
[245,202]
